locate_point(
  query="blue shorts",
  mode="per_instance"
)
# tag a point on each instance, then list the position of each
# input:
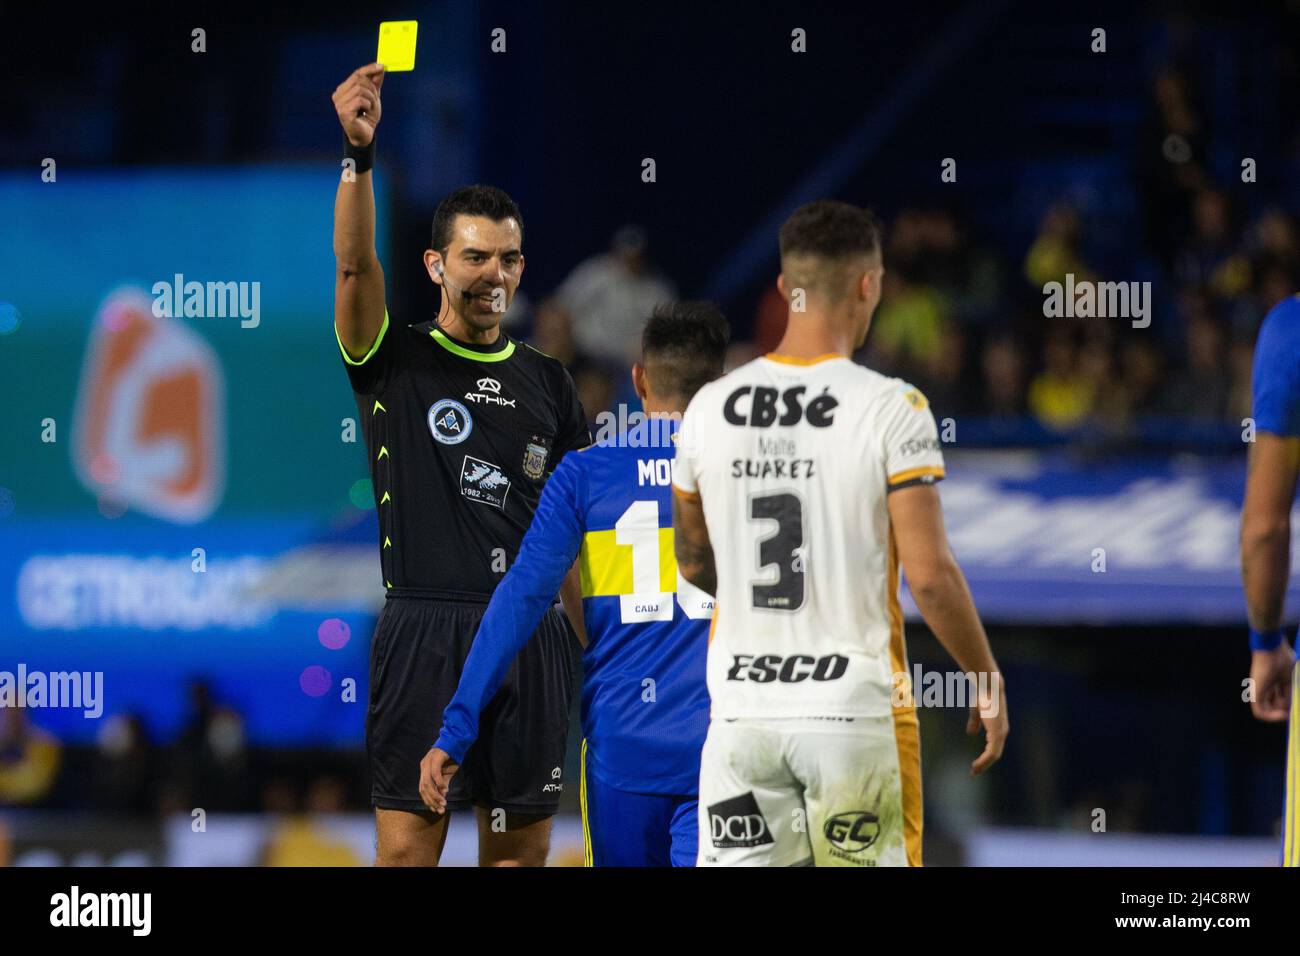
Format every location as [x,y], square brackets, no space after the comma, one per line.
[621,828]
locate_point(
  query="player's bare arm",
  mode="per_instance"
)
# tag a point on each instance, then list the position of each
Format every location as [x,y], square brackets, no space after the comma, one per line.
[691,543]
[571,598]
[944,600]
[359,278]
[1273,466]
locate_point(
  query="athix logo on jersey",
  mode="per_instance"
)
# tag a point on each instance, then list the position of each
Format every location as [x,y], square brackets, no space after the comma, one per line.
[149,429]
[484,482]
[762,409]
[450,421]
[535,455]
[738,822]
[489,393]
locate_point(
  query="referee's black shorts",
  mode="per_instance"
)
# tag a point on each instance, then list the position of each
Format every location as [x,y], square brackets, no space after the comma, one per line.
[419,648]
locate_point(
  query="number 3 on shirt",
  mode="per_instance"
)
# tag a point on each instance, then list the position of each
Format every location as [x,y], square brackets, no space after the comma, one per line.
[782,549]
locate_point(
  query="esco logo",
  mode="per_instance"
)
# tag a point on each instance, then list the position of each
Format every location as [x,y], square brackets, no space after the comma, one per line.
[788,670]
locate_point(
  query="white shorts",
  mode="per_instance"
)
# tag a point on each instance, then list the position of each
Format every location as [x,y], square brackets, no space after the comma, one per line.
[811,792]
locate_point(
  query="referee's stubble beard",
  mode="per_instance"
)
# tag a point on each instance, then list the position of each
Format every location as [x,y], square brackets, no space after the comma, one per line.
[478,274]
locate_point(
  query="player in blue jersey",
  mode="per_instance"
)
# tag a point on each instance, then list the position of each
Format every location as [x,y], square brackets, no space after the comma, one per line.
[1274,465]
[645,704]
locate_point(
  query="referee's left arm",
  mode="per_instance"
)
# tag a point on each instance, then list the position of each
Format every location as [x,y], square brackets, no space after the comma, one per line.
[548,551]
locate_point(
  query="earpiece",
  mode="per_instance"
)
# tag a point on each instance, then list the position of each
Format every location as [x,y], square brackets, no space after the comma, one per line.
[451,285]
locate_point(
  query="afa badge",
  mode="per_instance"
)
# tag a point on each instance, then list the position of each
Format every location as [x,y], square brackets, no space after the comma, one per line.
[535,455]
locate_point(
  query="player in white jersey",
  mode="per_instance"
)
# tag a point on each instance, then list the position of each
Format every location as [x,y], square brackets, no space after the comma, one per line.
[802,481]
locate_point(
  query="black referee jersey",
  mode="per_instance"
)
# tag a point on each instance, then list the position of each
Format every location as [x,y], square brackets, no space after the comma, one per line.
[460,439]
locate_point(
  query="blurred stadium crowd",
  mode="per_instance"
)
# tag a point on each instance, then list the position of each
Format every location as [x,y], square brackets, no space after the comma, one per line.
[962,317]
[210,765]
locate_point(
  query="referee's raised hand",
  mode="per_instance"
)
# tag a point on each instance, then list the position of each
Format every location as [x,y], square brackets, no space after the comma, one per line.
[356,100]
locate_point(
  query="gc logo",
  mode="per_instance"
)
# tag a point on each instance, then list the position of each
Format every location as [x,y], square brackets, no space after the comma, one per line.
[852,832]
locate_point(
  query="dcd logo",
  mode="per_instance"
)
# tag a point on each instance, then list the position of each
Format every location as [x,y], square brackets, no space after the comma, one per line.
[738,822]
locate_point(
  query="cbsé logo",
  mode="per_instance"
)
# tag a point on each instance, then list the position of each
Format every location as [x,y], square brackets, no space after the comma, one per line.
[761,410]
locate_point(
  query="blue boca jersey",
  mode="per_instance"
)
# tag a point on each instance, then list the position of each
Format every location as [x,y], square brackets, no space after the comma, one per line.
[645,704]
[1275,381]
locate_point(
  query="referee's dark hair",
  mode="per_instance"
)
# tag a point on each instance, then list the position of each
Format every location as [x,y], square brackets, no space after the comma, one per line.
[476,200]
[684,347]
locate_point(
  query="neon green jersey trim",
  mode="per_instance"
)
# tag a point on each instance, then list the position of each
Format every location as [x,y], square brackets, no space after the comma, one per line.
[442,339]
[373,349]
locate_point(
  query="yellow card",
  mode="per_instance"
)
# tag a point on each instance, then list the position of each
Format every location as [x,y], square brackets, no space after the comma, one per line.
[397,45]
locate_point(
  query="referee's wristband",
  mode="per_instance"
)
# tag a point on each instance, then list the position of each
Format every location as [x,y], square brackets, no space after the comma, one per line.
[363,156]
[1266,640]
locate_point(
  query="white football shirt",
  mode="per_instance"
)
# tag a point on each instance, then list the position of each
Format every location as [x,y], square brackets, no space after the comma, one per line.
[793,461]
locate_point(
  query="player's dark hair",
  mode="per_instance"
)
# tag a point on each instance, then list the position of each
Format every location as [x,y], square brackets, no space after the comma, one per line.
[828,229]
[684,346]
[477,200]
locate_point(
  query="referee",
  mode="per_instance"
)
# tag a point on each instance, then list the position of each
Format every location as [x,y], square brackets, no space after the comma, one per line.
[462,426]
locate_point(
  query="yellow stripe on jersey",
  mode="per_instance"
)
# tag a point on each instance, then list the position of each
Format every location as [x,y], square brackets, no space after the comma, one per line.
[793,360]
[374,347]
[911,473]
[907,728]
[606,565]
[582,800]
[1291,822]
